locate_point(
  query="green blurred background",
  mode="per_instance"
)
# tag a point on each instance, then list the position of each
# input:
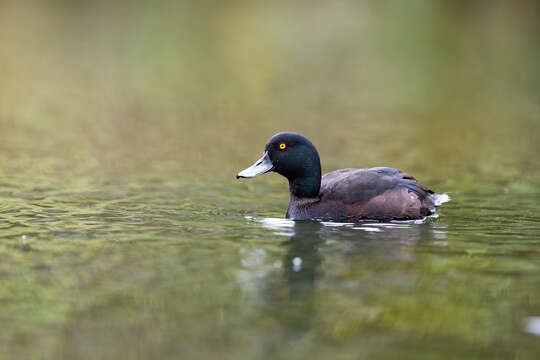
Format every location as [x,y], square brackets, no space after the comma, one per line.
[198,87]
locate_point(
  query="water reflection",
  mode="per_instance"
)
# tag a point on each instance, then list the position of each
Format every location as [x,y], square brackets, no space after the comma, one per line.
[315,261]
[290,296]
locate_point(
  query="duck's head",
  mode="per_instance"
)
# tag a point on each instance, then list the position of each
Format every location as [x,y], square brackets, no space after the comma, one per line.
[293,156]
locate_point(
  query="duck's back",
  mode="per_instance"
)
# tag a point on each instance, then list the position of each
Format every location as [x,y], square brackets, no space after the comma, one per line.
[379,193]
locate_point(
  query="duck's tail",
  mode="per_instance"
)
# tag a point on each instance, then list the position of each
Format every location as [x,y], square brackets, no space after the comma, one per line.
[437,200]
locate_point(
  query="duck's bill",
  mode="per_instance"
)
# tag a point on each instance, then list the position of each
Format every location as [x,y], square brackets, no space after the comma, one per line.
[262,166]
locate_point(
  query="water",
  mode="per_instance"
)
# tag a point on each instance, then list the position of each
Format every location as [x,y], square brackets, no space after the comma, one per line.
[123,233]
[168,269]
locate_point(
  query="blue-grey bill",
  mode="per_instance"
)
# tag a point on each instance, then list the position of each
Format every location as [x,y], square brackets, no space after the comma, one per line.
[263,165]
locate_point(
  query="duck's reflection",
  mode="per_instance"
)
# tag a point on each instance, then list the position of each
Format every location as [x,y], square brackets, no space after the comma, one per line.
[288,290]
[302,260]
[290,296]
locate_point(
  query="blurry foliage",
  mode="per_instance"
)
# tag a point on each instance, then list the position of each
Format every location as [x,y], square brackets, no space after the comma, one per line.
[197,87]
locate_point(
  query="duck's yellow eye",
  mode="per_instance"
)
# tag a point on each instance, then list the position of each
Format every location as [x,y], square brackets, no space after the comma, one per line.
[282,146]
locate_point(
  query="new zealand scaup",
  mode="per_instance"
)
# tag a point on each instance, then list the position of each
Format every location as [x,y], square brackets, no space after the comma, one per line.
[345,195]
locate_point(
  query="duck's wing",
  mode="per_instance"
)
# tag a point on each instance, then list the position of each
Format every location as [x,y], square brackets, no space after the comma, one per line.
[377,193]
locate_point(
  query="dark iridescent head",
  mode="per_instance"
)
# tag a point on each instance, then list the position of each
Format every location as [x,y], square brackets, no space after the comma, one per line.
[293,156]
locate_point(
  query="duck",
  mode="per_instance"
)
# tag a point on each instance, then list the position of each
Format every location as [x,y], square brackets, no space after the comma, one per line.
[347,195]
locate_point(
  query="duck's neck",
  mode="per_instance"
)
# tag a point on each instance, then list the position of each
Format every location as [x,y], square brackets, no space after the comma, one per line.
[307,186]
